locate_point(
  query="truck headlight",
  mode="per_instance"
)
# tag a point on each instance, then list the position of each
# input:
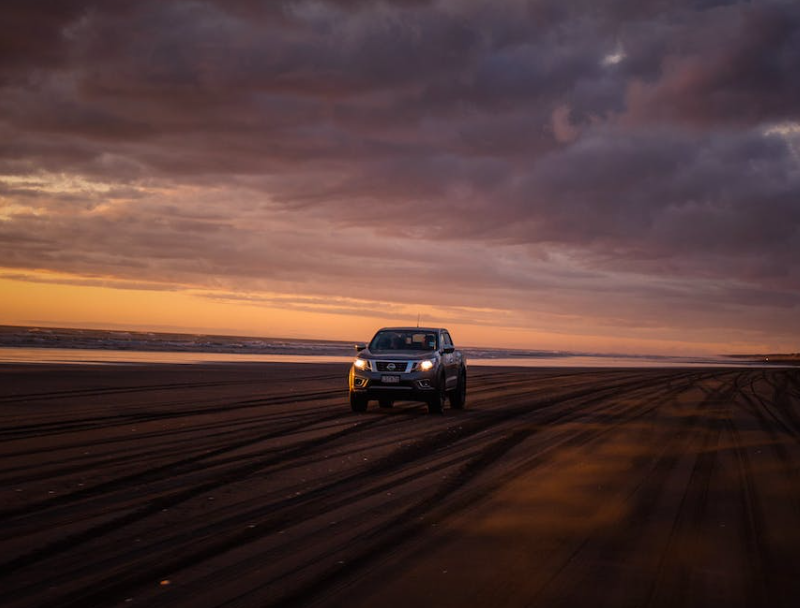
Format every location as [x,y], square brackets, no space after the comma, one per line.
[362,364]
[426,364]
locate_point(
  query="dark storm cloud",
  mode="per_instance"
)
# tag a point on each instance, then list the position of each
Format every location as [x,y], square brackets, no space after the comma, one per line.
[636,138]
[31,34]
[747,78]
[725,193]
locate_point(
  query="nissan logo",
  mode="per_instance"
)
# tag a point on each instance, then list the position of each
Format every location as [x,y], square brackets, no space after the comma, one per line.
[391,366]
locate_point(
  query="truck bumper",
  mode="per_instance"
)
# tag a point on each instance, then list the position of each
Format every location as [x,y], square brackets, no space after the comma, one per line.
[412,386]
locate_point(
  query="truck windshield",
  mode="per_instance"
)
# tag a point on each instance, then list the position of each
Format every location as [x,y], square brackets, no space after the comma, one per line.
[404,340]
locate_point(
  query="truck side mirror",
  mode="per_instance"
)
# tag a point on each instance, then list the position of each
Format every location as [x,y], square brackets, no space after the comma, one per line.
[360,347]
[449,349]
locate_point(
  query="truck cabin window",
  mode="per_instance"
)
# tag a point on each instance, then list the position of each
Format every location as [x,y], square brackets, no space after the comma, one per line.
[403,340]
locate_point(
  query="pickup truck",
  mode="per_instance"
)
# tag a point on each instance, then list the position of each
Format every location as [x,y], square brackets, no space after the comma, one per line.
[409,364]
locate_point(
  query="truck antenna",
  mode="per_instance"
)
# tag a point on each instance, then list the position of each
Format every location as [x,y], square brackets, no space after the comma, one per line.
[417,319]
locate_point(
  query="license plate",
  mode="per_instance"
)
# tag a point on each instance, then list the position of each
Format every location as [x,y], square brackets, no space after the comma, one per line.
[390,379]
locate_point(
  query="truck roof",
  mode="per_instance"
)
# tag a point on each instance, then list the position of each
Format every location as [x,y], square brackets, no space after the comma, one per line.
[420,329]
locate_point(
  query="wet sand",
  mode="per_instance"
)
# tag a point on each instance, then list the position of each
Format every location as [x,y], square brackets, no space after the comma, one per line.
[254,485]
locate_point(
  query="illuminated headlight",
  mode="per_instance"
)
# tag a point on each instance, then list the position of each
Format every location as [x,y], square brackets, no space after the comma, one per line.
[361,364]
[426,365]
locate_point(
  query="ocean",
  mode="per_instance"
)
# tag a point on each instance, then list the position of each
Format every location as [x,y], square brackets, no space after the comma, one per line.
[94,346]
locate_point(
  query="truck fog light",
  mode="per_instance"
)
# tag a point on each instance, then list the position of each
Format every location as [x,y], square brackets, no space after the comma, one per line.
[424,383]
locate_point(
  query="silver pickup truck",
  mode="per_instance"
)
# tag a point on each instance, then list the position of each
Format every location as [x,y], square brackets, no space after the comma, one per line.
[409,364]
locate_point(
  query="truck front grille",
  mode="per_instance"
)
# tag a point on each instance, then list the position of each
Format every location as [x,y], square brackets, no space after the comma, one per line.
[391,366]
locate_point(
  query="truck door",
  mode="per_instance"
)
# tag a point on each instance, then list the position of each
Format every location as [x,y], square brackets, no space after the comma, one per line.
[450,361]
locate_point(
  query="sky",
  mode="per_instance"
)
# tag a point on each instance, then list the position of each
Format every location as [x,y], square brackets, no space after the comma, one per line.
[617,176]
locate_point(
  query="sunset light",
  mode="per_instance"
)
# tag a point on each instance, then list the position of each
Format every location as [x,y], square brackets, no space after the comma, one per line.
[400,303]
[463,172]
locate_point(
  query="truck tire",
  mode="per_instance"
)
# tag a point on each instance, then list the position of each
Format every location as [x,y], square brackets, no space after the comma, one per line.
[358,403]
[436,401]
[458,396]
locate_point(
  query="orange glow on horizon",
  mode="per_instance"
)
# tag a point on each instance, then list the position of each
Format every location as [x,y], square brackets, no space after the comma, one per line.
[45,299]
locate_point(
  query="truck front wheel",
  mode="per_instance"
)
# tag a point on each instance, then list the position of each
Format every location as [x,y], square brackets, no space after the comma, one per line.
[436,401]
[358,403]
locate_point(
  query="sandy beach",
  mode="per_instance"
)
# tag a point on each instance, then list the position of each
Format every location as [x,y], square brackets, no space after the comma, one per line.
[254,485]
